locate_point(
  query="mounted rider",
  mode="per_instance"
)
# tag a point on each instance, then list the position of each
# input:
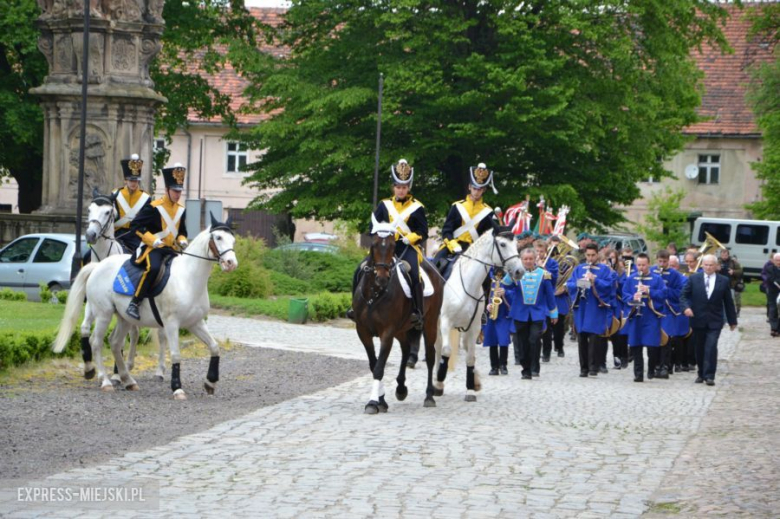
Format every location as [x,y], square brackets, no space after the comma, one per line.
[160,227]
[407,216]
[467,220]
[128,201]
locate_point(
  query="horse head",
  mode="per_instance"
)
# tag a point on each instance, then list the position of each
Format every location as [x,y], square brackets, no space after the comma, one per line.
[221,243]
[100,217]
[382,255]
[504,253]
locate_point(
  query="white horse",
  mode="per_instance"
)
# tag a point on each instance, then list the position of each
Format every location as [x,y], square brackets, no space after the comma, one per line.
[100,236]
[184,303]
[464,302]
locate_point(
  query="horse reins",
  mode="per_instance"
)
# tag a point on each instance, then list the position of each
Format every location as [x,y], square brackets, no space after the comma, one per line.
[212,248]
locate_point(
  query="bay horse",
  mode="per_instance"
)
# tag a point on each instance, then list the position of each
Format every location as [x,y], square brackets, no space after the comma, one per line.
[383,310]
[183,303]
[100,235]
[464,302]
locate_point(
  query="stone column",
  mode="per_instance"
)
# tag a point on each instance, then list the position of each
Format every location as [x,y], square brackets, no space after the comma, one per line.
[121,105]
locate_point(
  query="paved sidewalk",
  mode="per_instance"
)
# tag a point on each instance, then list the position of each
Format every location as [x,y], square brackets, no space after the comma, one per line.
[557,446]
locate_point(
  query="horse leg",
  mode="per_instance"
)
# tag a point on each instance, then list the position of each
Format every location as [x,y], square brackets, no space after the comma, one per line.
[431,340]
[86,348]
[161,344]
[201,332]
[377,403]
[133,344]
[115,378]
[172,336]
[401,391]
[368,343]
[117,341]
[468,343]
[442,360]
[96,341]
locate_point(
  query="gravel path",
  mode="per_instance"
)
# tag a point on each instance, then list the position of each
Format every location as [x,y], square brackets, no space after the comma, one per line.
[62,421]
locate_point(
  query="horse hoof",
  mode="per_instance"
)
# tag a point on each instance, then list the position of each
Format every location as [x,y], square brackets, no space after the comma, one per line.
[470,398]
[383,407]
[159,378]
[401,394]
[438,392]
[108,388]
[116,382]
[89,375]
[133,387]
[371,408]
[209,389]
[179,394]
[429,402]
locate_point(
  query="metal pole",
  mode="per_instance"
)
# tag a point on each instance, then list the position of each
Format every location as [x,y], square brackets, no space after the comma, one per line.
[378,139]
[76,265]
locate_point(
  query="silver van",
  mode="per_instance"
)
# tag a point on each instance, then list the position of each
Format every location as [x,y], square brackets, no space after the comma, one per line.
[752,242]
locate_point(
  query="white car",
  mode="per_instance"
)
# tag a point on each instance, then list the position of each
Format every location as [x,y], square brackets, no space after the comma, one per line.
[38,258]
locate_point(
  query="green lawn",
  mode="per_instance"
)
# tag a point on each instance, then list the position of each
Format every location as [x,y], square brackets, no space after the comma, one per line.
[24,316]
[752,296]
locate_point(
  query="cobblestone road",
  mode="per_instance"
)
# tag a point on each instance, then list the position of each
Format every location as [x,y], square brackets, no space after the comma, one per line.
[557,446]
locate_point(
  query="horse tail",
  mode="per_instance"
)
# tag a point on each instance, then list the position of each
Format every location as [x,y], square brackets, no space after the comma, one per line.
[73,307]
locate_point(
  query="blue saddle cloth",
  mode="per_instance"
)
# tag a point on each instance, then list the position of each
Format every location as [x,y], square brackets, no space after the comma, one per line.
[130,274]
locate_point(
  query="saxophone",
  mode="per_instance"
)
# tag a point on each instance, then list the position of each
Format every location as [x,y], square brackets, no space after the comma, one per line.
[495,301]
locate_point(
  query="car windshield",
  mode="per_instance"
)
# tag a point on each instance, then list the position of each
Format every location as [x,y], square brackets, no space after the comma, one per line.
[19,251]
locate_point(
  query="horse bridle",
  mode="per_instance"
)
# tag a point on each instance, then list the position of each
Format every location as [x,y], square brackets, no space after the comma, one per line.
[102,234]
[212,248]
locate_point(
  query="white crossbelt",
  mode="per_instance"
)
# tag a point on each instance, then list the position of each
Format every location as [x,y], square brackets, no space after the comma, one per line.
[398,220]
[171,225]
[470,224]
[130,211]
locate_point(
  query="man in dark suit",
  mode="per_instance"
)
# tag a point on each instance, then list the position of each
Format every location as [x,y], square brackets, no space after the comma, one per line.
[704,298]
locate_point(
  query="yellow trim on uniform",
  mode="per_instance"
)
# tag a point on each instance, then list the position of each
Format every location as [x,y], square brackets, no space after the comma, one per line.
[131,200]
[170,208]
[472,209]
[148,268]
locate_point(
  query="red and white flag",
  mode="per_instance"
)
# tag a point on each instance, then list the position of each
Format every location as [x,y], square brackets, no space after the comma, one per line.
[560,223]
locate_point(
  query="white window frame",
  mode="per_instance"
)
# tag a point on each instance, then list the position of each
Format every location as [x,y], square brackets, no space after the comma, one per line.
[240,151]
[706,166]
[155,147]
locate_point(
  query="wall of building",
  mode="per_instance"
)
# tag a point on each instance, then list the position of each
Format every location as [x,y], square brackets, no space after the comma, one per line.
[737,187]
[9,194]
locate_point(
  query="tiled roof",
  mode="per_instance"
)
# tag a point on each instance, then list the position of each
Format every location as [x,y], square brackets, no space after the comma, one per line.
[230,83]
[726,77]
[725,80]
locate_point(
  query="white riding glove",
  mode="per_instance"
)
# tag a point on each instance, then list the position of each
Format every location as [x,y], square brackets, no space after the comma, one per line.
[157,243]
[405,240]
[457,248]
[183,244]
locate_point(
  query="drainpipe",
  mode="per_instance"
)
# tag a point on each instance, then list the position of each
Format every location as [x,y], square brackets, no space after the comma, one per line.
[189,156]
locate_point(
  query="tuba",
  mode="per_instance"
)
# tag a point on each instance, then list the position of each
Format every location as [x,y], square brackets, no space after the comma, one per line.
[566,262]
[710,246]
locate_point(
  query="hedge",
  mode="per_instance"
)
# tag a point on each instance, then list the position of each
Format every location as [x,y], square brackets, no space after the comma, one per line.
[21,347]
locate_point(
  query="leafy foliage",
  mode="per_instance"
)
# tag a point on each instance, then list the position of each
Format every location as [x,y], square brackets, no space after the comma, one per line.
[665,221]
[764,99]
[251,279]
[11,295]
[574,100]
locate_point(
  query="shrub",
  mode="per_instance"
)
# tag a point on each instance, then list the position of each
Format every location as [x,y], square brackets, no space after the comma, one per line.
[325,306]
[286,285]
[45,293]
[18,348]
[62,296]
[248,280]
[12,295]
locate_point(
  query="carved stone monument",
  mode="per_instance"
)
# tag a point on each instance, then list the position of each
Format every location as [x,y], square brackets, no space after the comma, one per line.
[124,37]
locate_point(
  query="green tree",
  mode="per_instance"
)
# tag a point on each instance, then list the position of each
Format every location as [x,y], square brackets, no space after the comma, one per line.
[765,102]
[576,100]
[209,32]
[665,221]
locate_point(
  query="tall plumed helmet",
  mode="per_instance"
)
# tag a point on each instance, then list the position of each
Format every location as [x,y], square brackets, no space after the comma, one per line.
[131,168]
[403,173]
[481,176]
[174,177]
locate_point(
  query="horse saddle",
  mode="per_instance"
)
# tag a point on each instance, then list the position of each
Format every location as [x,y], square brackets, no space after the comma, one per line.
[129,276]
[403,271]
[445,263]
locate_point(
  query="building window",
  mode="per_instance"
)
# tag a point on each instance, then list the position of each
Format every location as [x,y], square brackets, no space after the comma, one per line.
[237,154]
[158,145]
[709,169]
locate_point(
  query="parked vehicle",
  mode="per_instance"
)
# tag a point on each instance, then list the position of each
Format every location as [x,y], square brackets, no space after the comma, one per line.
[38,258]
[620,240]
[309,246]
[752,242]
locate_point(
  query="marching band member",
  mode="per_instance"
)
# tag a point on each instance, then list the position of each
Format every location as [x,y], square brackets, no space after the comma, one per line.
[679,351]
[533,300]
[159,226]
[555,334]
[467,220]
[129,201]
[496,332]
[590,288]
[645,292]
[691,261]
[543,253]
[408,217]
[619,339]
[674,323]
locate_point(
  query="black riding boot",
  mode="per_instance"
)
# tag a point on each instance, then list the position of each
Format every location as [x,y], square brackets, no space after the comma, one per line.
[417,310]
[132,308]
[355,280]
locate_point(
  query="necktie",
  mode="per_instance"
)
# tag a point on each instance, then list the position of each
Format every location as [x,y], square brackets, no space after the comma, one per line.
[707,285]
